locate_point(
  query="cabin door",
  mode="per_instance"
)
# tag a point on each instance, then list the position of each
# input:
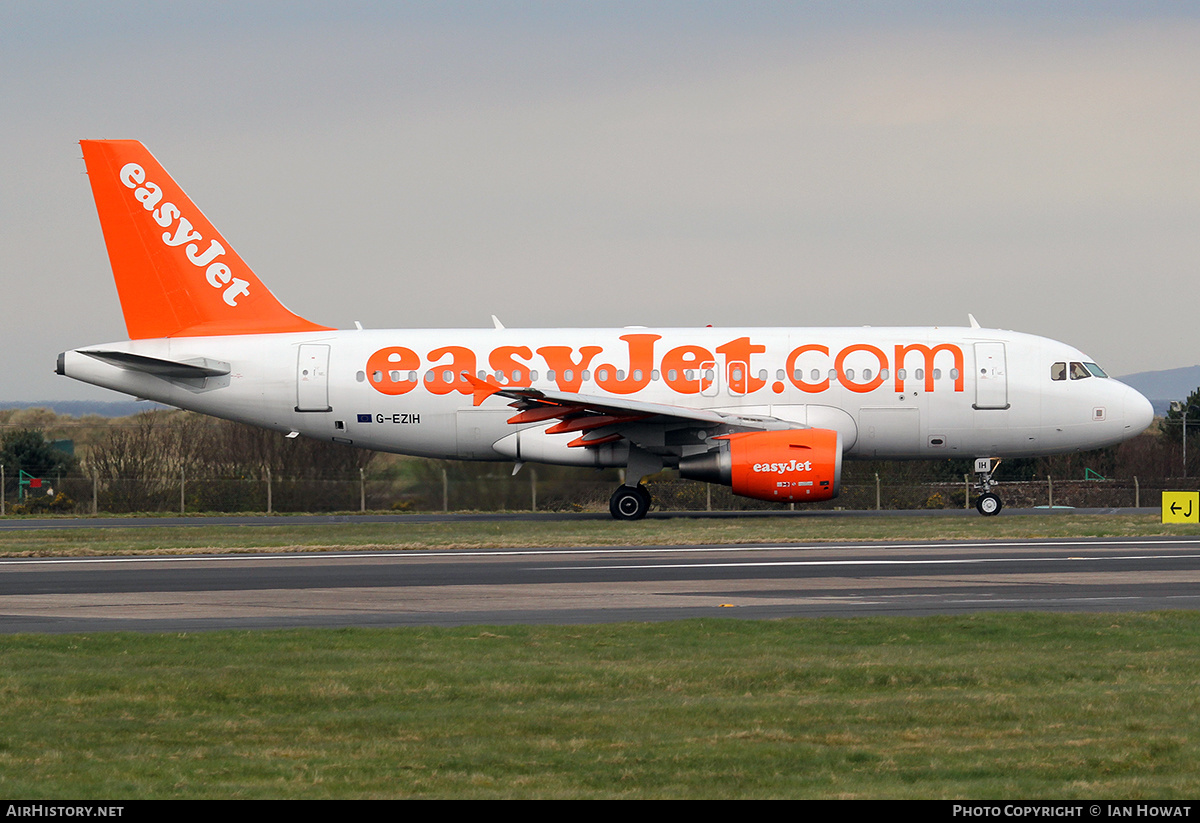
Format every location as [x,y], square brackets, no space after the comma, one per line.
[312,378]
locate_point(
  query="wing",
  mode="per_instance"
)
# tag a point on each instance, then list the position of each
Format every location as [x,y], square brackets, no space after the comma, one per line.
[600,420]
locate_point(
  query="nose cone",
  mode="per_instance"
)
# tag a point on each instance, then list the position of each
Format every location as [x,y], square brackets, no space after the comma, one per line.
[1138,412]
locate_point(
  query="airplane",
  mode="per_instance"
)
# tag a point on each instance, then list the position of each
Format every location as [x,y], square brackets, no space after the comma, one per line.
[769,412]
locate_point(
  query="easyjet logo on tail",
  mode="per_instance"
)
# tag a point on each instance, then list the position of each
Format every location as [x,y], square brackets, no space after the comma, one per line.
[218,274]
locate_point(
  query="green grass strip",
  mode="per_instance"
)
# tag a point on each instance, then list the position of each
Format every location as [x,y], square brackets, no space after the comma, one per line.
[535,533]
[986,706]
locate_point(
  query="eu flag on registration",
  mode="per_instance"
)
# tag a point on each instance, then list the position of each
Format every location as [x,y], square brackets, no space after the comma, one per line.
[364,418]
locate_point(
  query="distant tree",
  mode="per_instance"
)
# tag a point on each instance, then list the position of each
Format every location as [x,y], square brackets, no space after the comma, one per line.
[29,451]
[1173,422]
[1173,427]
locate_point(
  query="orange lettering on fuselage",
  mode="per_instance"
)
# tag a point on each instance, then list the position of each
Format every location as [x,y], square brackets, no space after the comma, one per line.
[930,354]
[682,369]
[514,373]
[839,365]
[686,369]
[641,362]
[388,369]
[739,351]
[797,376]
[443,379]
[568,373]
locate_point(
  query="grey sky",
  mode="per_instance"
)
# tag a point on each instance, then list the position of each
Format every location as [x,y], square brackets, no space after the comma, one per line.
[575,164]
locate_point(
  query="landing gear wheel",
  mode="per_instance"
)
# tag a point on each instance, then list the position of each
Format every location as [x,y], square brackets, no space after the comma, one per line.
[645,495]
[629,503]
[989,504]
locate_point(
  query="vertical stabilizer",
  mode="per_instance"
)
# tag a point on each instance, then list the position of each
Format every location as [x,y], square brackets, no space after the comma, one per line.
[176,276]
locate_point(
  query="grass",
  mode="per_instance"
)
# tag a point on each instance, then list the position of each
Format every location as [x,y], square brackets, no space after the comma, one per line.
[353,536]
[987,706]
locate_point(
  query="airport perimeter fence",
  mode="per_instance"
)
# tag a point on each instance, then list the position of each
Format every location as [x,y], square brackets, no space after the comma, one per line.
[524,492]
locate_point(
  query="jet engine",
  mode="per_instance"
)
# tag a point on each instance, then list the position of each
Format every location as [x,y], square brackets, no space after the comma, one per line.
[793,465]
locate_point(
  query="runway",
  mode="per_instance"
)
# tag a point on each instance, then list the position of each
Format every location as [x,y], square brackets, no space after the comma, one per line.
[38,524]
[564,586]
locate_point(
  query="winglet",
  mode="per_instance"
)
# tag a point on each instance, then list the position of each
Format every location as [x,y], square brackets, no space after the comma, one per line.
[175,274]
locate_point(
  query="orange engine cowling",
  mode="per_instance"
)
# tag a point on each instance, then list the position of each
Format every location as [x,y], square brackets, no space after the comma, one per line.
[793,465]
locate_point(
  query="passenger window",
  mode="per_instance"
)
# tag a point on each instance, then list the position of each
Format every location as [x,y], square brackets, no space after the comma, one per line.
[1058,371]
[1079,371]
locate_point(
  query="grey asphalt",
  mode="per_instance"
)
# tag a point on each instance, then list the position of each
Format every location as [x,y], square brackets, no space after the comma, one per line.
[593,585]
[23,523]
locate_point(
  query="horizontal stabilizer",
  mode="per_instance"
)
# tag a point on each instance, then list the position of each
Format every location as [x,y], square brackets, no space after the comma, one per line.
[196,369]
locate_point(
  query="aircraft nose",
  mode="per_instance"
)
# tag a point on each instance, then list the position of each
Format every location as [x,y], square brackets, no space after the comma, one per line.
[1139,414]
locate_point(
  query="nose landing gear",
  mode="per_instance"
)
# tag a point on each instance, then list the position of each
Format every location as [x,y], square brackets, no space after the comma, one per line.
[988,504]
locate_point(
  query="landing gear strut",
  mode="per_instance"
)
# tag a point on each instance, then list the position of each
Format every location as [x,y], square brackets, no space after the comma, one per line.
[629,502]
[987,504]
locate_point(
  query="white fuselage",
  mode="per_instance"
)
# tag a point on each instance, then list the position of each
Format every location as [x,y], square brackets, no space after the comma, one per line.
[901,393]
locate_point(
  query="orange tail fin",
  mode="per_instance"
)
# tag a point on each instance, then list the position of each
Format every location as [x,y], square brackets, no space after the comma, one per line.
[176,276]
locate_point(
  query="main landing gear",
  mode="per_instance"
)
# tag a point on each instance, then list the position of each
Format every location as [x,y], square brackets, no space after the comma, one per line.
[629,502]
[988,504]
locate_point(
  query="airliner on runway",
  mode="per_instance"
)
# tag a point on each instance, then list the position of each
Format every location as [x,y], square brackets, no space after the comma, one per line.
[770,412]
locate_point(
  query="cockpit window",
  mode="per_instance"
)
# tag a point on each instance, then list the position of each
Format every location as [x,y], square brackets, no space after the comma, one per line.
[1058,371]
[1096,370]
[1079,371]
